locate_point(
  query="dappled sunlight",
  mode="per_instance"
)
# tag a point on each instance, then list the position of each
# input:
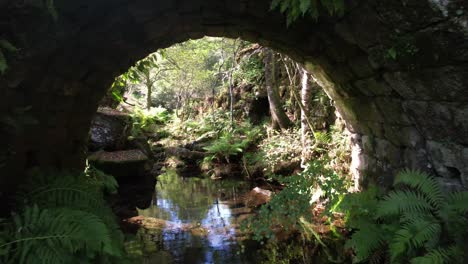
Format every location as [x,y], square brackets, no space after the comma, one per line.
[266,131]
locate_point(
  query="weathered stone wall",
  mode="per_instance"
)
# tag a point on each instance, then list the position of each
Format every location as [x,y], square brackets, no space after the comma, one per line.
[397,71]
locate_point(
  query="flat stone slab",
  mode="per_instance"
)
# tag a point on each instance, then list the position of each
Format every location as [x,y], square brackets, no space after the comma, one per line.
[121,156]
[122,163]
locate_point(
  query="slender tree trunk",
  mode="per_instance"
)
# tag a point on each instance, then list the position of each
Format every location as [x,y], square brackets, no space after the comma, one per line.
[306,131]
[279,119]
[148,97]
[231,99]
[149,91]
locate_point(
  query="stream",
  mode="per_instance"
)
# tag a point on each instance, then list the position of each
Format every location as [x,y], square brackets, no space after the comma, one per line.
[196,220]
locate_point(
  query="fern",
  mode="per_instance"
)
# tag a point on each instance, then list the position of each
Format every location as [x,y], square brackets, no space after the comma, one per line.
[50,236]
[428,186]
[440,256]
[64,220]
[458,202]
[366,241]
[402,201]
[417,222]
[413,234]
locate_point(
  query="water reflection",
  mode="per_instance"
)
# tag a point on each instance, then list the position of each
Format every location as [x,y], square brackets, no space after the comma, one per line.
[199,223]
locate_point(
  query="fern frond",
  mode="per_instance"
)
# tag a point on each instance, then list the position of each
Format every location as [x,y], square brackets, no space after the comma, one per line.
[403,201]
[440,256]
[55,235]
[69,190]
[458,201]
[413,235]
[365,241]
[70,220]
[423,183]
[106,182]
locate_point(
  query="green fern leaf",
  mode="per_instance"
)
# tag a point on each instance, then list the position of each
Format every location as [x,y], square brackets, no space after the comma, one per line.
[365,241]
[458,201]
[403,201]
[413,235]
[440,256]
[54,236]
[304,5]
[422,183]
[72,221]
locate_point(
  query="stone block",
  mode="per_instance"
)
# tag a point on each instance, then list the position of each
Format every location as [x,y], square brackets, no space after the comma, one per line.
[449,160]
[392,111]
[385,151]
[361,67]
[410,137]
[373,87]
[416,158]
[426,84]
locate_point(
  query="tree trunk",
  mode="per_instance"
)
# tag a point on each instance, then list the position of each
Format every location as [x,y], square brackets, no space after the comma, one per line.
[306,137]
[148,97]
[279,119]
[149,91]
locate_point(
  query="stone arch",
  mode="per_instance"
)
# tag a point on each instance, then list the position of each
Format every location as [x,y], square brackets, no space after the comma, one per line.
[397,72]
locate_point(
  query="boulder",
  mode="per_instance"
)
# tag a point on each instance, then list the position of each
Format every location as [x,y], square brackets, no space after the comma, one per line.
[109,130]
[229,170]
[124,163]
[257,197]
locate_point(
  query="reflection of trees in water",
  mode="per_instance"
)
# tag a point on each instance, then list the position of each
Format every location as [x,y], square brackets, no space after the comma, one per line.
[189,199]
[195,201]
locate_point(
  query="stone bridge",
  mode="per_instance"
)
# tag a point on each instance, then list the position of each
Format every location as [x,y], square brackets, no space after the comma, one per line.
[396,69]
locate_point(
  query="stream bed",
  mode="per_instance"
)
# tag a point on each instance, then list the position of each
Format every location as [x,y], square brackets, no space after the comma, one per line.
[196,220]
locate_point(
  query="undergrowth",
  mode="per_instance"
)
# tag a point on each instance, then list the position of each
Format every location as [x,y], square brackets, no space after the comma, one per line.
[295,202]
[146,121]
[417,222]
[62,217]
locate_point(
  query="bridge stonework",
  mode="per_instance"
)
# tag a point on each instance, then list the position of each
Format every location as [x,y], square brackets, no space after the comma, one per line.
[397,71]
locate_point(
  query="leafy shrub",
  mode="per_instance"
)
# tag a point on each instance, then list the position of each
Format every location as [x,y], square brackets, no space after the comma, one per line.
[251,70]
[232,143]
[295,201]
[144,120]
[211,124]
[415,223]
[281,146]
[297,8]
[225,147]
[62,218]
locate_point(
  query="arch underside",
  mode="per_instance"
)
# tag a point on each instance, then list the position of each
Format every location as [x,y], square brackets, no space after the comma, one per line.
[398,74]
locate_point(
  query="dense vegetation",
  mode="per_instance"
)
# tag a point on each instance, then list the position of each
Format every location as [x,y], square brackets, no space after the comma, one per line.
[205,96]
[63,219]
[415,222]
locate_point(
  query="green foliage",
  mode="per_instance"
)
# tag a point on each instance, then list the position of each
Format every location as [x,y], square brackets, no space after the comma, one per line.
[415,223]
[224,147]
[145,120]
[50,6]
[62,218]
[251,70]
[281,146]
[5,46]
[278,253]
[298,8]
[231,143]
[118,88]
[295,201]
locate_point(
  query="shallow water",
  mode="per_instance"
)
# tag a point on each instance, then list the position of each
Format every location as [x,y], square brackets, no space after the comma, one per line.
[195,220]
